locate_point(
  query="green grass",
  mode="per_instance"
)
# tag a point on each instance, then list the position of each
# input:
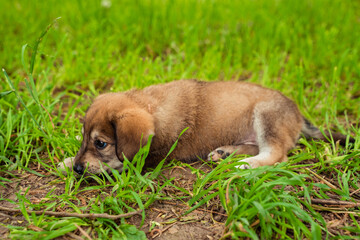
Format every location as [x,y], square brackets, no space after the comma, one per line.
[309,50]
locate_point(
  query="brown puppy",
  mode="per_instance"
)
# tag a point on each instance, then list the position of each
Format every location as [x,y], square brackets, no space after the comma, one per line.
[221,117]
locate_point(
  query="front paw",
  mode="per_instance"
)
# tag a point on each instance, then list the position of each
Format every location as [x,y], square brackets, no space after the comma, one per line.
[67,163]
[218,154]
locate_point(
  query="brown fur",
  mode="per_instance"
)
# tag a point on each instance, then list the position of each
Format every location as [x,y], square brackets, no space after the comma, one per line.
[220,116]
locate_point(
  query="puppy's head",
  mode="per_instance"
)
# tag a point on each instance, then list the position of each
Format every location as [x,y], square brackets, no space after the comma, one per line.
[114,126]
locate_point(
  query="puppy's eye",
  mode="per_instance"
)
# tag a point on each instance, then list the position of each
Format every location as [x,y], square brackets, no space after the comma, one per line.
[100,145]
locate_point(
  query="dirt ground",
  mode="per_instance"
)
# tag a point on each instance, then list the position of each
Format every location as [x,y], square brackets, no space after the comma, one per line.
[199,224]
[163,220]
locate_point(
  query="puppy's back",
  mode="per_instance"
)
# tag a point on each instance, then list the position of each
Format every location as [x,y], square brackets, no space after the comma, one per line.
[215,113]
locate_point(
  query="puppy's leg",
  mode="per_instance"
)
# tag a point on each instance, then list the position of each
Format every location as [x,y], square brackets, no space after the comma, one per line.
[225,151]
[267,156]
[277,125]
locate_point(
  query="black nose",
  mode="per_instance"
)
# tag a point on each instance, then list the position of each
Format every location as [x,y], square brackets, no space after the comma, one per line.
[78,168]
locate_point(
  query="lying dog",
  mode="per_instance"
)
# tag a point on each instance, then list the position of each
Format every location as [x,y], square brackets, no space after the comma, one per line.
[221,117]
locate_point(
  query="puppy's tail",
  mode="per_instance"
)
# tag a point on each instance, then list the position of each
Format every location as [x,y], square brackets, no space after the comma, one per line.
[312,132]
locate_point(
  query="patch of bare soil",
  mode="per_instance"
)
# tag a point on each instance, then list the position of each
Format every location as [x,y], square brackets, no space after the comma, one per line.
[167,222]
[36,186]
[166,219]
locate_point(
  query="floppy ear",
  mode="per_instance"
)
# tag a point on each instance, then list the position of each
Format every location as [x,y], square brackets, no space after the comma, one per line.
[132,130]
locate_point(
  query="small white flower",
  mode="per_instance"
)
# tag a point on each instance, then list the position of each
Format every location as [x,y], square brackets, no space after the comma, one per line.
[106,3]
